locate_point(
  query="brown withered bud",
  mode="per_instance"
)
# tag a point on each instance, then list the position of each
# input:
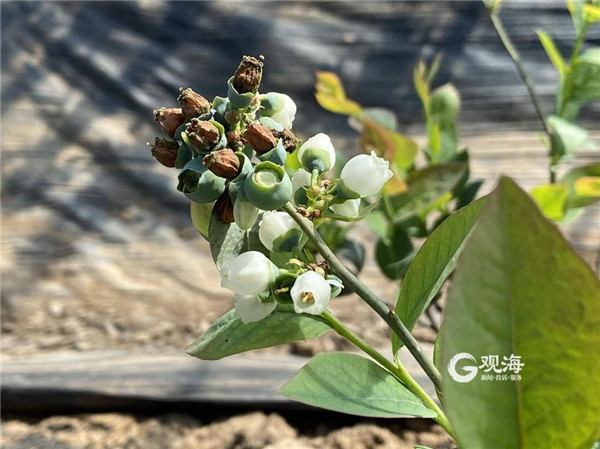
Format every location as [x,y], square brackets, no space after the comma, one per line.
[169,119]
[192,103]
[202,135]
[260,138]
[234,140]
[288,138]
[224,208]
[248,75]
[165,151]
[223,163]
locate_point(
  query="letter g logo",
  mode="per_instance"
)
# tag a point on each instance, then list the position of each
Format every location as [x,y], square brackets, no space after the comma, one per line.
[471,371]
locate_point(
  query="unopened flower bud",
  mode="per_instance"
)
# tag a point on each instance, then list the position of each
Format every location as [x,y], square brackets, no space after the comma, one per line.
[192,103]
[300,179]
[311,293]
[250,273]
[224,208]
[279,232]
[260,138]
[279,107]
[248,75]
[165,151]
[233,117]
[363,175]
[224,163]
[169,119]
[202,135]
[289,139]
[317,153]
[244,212]
[445,103]
[268,187]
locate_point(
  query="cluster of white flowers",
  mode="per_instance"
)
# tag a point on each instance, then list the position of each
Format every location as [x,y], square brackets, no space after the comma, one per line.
[234,152]
[251,275]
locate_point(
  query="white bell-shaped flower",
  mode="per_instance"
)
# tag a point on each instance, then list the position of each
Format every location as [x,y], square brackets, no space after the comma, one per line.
[300,179]
[364,175]
[279,232]
[317,153]
[250,273]
[311,293]
[280,107]
[250,308]
[349,208]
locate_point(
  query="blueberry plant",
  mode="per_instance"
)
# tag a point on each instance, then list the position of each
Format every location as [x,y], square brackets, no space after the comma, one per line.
[516,361]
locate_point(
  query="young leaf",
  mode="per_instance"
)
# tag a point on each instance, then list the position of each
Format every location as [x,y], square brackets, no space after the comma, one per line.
[586,76]
[571,179]
[383,117]
[349,383]
[568,136]
[331,95]
[201,213]
[520,289]
[551,199]
[433,264]
[552,52]
[427,187]
[229,335]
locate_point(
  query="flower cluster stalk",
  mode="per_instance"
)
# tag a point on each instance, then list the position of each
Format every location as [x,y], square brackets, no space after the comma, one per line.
[368,296]
[397,370]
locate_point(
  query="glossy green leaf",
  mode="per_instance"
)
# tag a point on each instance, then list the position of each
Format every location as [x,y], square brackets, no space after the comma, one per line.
[432,265]
[567,136]
[552,52]
[349,383]
[331,95]
[201,213]
[551,199]
[520,289]
[586,76]
[428,188]
[229,335]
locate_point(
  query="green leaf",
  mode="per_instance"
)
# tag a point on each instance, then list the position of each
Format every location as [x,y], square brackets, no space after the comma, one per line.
[586,76]
[552,52]
[229,335]
[331,95]
[433,263]
[348,383]
[392,250]
[551,199]
[227,240]
[429,188]
[383,117]
[201,213]
[567,136]
[573,177]
[520,289]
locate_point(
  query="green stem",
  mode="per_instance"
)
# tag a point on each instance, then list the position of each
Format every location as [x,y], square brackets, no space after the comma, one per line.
[398,371]
[368,296]
[514,54]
